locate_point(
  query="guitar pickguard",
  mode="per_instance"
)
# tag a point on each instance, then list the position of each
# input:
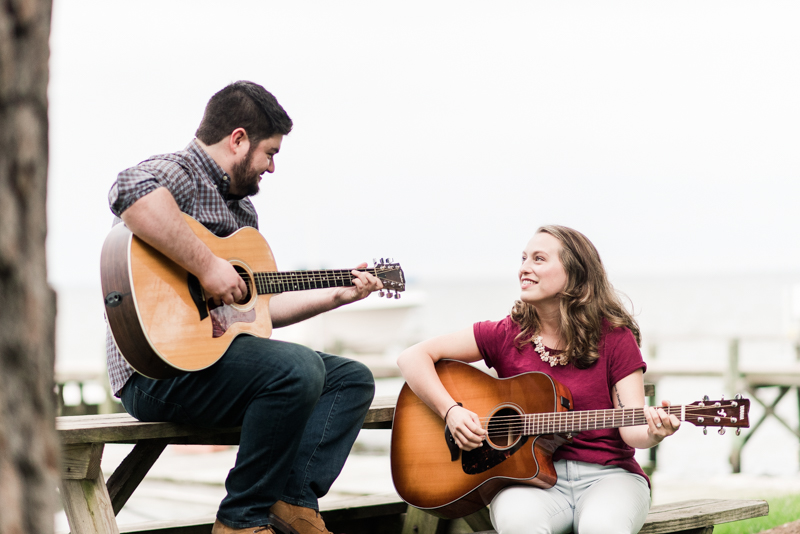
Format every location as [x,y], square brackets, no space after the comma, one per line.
[222,317]
[484,458]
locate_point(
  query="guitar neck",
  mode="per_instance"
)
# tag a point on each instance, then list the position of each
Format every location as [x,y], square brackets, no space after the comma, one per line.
[572,422]
[283,281]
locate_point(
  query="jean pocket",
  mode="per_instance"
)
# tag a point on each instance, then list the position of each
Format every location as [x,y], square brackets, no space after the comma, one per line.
[151,409]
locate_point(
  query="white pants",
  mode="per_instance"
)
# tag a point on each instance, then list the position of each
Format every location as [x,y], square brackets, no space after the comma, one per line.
[587,499]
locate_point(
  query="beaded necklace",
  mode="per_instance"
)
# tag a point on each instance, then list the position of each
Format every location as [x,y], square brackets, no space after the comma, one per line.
[560,359]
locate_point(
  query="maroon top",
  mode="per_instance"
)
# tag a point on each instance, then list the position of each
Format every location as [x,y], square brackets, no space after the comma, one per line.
[591,388]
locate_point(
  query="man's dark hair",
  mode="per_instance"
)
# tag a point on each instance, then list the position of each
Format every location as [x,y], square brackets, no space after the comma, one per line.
[245,105]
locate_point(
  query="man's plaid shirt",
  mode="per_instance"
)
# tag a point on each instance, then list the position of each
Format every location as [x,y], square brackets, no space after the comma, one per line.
[200,187]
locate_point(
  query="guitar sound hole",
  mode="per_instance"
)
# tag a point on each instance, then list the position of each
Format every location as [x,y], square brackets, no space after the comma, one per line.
[505,428]
[247,280]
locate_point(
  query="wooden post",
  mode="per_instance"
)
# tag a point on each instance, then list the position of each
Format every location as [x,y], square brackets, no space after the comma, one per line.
[83,491]
[797,388]
[652,350]
[420,522]
[733,381]
[733,378]
[653,451]
[479,520]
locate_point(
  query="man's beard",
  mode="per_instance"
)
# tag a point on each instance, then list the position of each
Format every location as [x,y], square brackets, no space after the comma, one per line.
[243,178]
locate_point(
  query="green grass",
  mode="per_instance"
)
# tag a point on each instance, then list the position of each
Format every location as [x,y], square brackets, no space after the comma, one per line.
[784,509]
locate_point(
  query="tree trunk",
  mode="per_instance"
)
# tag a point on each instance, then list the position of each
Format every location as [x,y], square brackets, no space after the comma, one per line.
[28,443]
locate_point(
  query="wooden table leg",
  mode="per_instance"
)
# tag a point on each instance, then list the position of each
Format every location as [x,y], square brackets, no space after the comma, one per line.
[479,520]
[83,491]
[130,473]
[420,522]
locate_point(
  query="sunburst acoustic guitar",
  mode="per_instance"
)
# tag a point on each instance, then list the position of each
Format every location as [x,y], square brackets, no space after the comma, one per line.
[162,323]
[527,417]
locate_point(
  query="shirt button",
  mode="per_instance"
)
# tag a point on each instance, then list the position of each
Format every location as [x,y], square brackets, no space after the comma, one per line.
[225,178]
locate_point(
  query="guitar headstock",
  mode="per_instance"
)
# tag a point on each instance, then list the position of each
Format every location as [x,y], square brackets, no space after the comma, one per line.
[392,277]
[720,413]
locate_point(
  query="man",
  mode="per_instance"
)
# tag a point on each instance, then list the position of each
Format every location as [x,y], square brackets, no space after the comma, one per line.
[300,411]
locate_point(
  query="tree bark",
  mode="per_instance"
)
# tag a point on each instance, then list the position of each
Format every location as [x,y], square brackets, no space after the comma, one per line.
[29,453]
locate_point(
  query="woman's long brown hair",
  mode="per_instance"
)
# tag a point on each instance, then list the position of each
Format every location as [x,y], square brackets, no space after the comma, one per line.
[587,299]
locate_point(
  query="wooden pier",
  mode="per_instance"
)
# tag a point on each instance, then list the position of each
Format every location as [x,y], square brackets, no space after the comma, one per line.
[748,380]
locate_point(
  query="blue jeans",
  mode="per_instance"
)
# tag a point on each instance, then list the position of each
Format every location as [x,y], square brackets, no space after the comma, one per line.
[300,413]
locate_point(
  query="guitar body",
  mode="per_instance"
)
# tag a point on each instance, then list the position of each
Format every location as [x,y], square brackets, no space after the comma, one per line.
[159,324]
[424,471]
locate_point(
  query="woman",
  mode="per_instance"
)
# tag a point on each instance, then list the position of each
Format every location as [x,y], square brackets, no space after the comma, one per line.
[569,324]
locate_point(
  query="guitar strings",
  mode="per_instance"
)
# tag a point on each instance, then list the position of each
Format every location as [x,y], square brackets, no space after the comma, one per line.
[318,274]
[278,281]
[282,280]
[670,409]
[284,277]
[585,420]
[594,414]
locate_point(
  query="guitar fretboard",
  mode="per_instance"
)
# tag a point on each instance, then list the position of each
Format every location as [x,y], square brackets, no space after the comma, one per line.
[280,282]
[563,422]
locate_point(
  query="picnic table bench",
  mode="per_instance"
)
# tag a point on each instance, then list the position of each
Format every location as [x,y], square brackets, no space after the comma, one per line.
[91,503]
[685,517]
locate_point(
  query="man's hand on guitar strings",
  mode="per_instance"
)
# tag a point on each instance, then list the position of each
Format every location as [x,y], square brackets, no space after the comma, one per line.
[222,283]
[466,428]
[364,283]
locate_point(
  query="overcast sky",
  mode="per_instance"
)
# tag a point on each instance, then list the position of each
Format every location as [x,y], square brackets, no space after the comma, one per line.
[442,134]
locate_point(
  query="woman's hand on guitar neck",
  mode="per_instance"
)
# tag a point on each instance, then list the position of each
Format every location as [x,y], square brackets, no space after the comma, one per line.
[660,424]
[466,428]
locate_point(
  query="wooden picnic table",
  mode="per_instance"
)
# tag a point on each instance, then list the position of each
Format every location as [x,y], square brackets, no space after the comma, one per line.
[91,503]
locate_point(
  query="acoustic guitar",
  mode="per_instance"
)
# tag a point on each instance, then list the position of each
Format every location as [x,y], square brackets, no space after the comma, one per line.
[527,417]
[160,319]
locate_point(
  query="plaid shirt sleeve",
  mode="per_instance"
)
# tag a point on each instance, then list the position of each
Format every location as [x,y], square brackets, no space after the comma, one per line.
[136,182]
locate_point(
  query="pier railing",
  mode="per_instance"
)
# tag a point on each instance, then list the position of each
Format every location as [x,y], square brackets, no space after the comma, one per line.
[737,378]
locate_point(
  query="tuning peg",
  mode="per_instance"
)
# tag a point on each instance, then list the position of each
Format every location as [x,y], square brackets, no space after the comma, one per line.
[705,398]
[738,431]
[374,261]
[380,293]
[388,294]
[721,431]
[738,396]
[396,295]
[705,430]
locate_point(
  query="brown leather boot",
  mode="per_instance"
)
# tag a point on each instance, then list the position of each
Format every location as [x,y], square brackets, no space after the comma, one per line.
[303,520]
[279,528]
[220,528]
